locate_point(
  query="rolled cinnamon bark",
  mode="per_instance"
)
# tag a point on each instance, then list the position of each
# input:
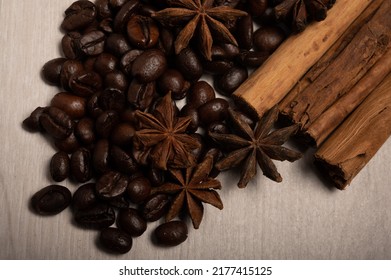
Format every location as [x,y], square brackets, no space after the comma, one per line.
[360,136]
[365,49]
[269,84]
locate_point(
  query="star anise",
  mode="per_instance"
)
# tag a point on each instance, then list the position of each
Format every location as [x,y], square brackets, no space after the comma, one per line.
[302,11]
[201,14]
[162,135]
[194,187]
[259,145]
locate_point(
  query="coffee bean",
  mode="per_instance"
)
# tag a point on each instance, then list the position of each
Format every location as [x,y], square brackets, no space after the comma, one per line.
[171,233]
[143,33]
[115,240]
[227,83]
[156,176]
[215,110]
[103,8]
[116,80]
[119,202]
[56,123]
[84,197]
[166,41]
[123,161]
[189,64]
[59,166]
[85,131]
[155,207]
[105,63]
[122,134]
[52,69]
[192,113]
[139,189]
[69,68]
[116,4]
[131,222]
[172,80]
[51,200]
[106,122]
[111,184]
[101,155]
[149,66]
[70,45]
[81,165]
[218,127]
[68,145]
[98,216]
[245,32]
[73,105]
[128,59]
[268,38]
[117,44]
[221,61]
[79,15]
[106,25]
[229,3]
[257,7]
[93,107]
[92,43]
[141,95]
[124,14]
[112,99]
[200,93]
[253,59]
[32,122]
[230,50]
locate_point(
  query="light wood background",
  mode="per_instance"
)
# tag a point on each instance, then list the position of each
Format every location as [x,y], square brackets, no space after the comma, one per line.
[300,218]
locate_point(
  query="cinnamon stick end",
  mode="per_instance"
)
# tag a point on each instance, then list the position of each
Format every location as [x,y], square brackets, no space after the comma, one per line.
[333,173]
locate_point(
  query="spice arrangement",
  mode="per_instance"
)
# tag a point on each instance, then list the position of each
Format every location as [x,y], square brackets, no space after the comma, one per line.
[137,155]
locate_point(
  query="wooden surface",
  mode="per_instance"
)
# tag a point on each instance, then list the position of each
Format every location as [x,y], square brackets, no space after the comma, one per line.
[300,218]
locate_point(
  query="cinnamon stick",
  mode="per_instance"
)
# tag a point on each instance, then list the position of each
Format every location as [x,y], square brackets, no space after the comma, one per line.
[355,142]
[318,131]
[331,54]
[269,84]
[369,45]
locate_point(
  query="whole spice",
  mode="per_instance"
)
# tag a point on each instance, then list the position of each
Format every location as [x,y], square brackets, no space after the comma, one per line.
[256,146]
[203,15]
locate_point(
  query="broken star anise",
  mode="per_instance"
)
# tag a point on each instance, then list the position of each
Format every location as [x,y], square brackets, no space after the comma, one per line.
[201,14]
[259,145]
[194,187]
[163,135]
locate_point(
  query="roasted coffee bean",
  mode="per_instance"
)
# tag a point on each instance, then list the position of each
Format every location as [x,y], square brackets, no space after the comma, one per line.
[143,33]
[123,161]
[218,127]
[172,80]
[130,221]
[200,93]
[84,197]
[166,41]
[79,15]
[189,64]
[85,131]
[106,25]
[93,107]
[69,68]
[141,95]
[52,69]
[112,99]
[122,134]
[253,59]
[81,165]
[197,152]
[230,50]
[192,113]
[85,84]
[89,63]
[128,59]
[227,83]
[116,4]
[106,122]
[116,80]
[229,3]
[149,66]
[115,240]
[129,115]
[268,38]
[147,10]
[139,189]
[245,32]
[56,123]
[101,156]
[171,233]
[70,45]
[98,216]
[92,43]
[155,207]
[119,202]
[215,110]
[103,8]
[105,63]
[111,184]
[156,176]
[124,14]
[73,105]
[32,122]
[59,166]
[51,200]
[68,145]
[117,44]
[221,61]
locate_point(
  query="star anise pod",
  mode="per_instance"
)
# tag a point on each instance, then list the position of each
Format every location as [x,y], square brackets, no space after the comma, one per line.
[199,14]
[302,11]
[260,145]
[194,187]
[162,135]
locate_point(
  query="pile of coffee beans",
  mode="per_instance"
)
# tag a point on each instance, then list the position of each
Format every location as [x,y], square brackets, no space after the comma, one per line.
[117,59]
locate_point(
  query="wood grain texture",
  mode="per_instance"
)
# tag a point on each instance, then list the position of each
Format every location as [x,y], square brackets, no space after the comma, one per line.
[298,219]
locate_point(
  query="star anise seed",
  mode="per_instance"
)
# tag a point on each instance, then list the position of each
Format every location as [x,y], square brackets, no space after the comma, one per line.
[202,15]
[258,146]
